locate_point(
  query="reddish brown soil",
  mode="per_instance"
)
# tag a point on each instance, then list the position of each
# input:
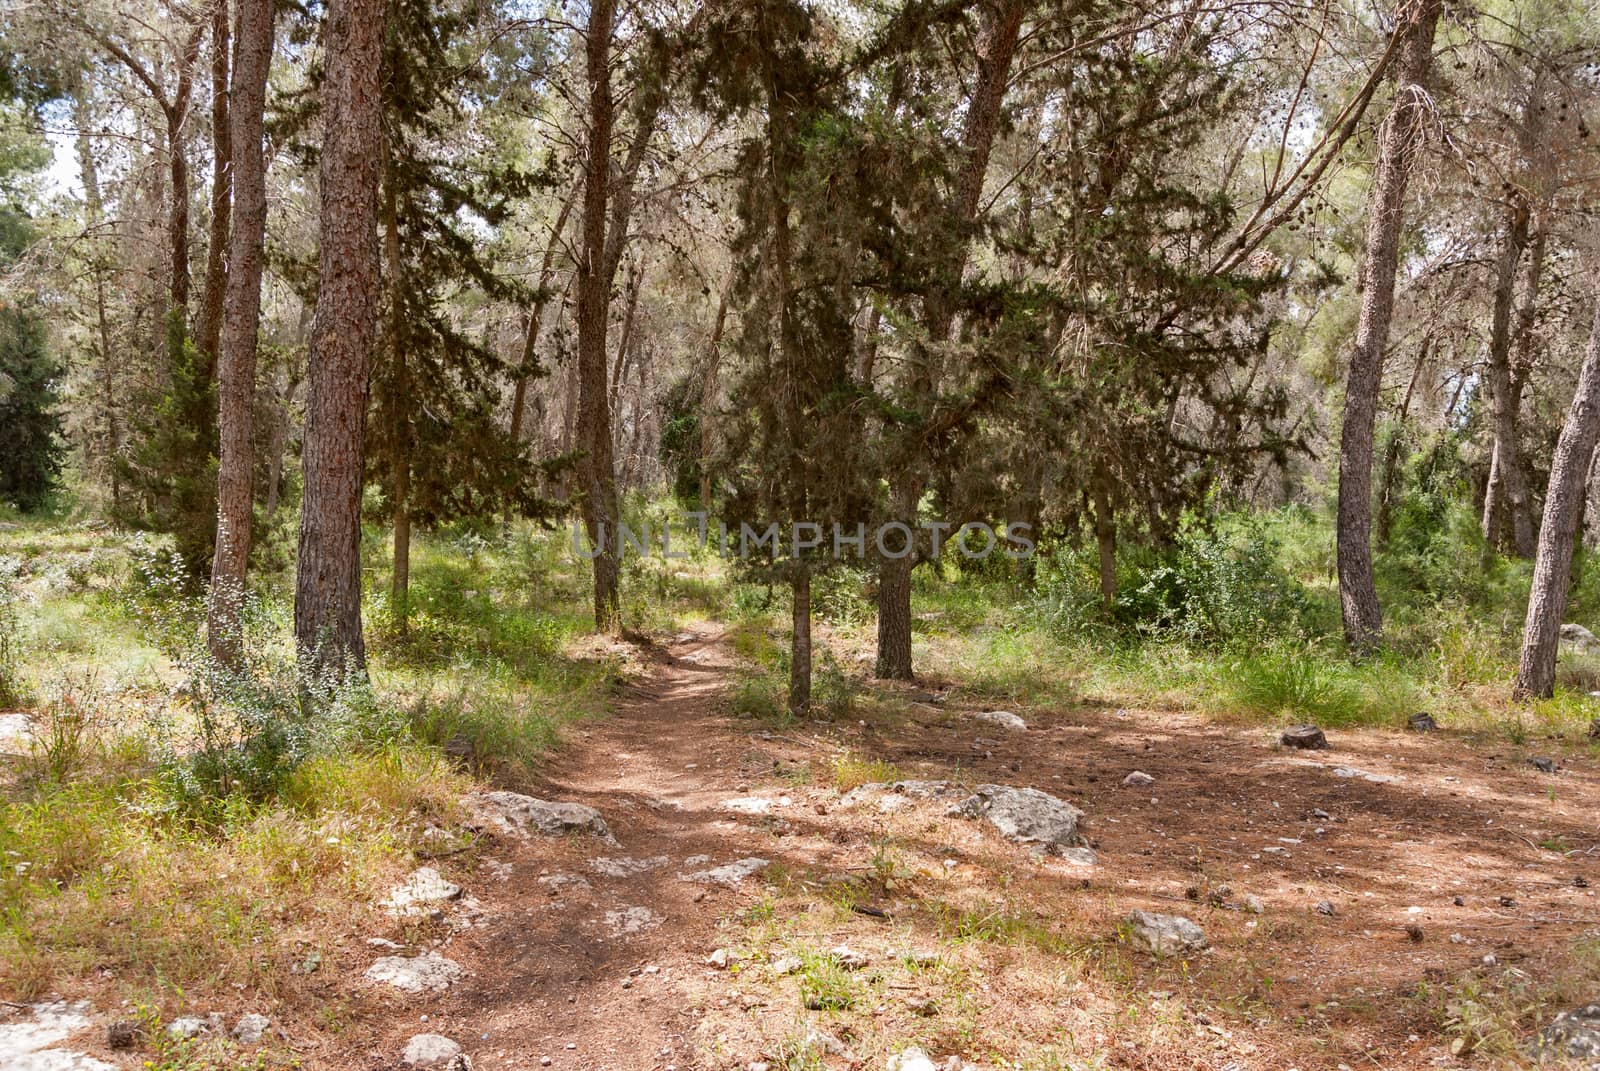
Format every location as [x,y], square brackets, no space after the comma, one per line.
[1466,841]
[1291,987]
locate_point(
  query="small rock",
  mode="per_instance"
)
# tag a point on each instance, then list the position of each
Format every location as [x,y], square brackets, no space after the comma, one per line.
[1164,935]
[624,867]
[1025,815]
[912,1059]
[1414,933]
[1542,763]
[922,1004]
[786,965]
[433,1050]
[1325,907]
[1308,737]
[1320,814]
[631,920]
[418,894]
[250,1029]
[514,813]
[748,805]
[1252,904]
[1594,729]
[1138,777]
[719,959]
[849,958]
[1574,1035]
[415,974]
[728,874]
[1003,718]
[1421,722]
[123,1034]
[188,1026]
[819,1039]
[1577,639]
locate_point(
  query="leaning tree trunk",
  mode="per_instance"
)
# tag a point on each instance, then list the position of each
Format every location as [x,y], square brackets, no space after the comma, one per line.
[209,328]
[1507,493]
[327,609]
[596,460]
[236,370]
[1358,592]
[708,395]
[1563,506]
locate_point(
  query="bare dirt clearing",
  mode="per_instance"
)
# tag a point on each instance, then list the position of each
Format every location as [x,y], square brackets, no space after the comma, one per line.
[1368,905]
[981,949]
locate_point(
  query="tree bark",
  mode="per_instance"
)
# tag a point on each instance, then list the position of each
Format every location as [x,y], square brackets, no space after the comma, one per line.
[236,370]
[1391,453]
[209,328]
[596,461]
[1105,541]
[1002,30]
[328,579]
[94,216]
[708,394]
[396,411]
[1358,592]
[1563,504]
[1506,496]
[177,114]
[536,318]
[800,641]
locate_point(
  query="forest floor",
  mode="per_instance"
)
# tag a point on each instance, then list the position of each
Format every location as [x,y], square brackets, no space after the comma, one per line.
[1398,901]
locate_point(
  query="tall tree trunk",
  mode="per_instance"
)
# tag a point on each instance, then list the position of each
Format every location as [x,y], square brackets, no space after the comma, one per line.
[1391,452]
[1002,30]
[536,314]
[1522,357]
[327,610]
[596,461]
[1105,541]
[1358,592]
[94,216]
[708,394]
[800,641]
[177,115]
[396,409]
[209,328]
[236,371]
[1506,496]
[1563,503]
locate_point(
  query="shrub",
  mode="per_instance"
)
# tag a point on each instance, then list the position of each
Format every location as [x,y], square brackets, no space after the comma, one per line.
[10,633]
[1216,589]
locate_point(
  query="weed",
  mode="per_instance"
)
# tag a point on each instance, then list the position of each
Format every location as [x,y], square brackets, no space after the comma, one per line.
[852,772]
[825,984]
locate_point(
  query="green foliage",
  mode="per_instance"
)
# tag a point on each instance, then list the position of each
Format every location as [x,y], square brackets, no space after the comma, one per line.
[11,687]
[1216,589]
[31,449]
[825,983]
[171,468]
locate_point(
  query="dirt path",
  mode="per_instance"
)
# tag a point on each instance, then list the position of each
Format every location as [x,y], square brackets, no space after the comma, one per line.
[1306,870]
[577,960]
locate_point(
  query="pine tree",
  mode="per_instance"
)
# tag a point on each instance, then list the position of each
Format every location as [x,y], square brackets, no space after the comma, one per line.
[435,446]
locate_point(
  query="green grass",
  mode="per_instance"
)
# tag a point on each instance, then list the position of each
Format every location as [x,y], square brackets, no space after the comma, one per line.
[825,985]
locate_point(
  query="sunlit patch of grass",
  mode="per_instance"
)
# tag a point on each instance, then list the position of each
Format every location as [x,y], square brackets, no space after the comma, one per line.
[1000,924]
[825,984]
[107,875]
[851,771]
